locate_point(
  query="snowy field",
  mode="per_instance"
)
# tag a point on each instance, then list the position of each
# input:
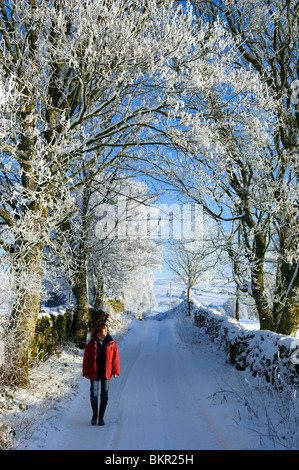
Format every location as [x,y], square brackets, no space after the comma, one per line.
[169,293]
[176,391]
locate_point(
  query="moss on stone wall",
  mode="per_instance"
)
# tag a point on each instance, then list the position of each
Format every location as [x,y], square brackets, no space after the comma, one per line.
[52,328]
[116,305]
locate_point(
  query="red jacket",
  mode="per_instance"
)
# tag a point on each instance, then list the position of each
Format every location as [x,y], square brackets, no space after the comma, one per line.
[90,359]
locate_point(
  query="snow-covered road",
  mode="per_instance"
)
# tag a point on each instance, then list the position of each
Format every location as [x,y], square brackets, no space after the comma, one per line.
[176,391]
[162,399]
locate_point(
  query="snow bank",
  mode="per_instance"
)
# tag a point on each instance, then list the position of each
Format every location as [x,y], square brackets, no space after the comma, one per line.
[263,353]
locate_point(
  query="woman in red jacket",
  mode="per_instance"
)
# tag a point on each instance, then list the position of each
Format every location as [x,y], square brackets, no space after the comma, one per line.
[100,364]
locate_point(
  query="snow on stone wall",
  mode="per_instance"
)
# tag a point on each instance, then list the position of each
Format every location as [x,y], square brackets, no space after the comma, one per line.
[262,352]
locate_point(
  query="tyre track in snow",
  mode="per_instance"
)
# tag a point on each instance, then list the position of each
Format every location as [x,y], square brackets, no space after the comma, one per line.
[188,424]
[137,404]
[163,399]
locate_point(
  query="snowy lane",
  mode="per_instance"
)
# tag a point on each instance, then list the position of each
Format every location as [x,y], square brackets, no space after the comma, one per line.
[161,400]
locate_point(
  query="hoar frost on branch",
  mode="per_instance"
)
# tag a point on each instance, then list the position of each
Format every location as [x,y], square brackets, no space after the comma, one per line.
[125,262]
[92,83]
[85,82]
[240,159]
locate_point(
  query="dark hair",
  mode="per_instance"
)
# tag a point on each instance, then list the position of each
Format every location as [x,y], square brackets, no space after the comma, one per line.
[97,329]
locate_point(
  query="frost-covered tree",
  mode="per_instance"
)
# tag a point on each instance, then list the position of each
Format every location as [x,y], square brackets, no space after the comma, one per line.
[239,158]
[266,35]
[108,246]
[126,269]
[81,84]
[194,261]
[122,256]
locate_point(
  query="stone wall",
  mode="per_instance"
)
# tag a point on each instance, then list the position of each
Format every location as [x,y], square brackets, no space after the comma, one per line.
[53,327]
[261,352]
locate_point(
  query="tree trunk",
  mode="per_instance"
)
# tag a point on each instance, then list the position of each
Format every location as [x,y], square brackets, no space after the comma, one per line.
[81,316]
[80,288]
[99,298]
[258,294]
[24,314]
[188,299]
[237,305]
[289,320]
[287,308]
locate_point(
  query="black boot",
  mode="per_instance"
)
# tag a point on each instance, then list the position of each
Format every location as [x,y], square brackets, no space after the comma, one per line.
[103,405]
[94,406]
